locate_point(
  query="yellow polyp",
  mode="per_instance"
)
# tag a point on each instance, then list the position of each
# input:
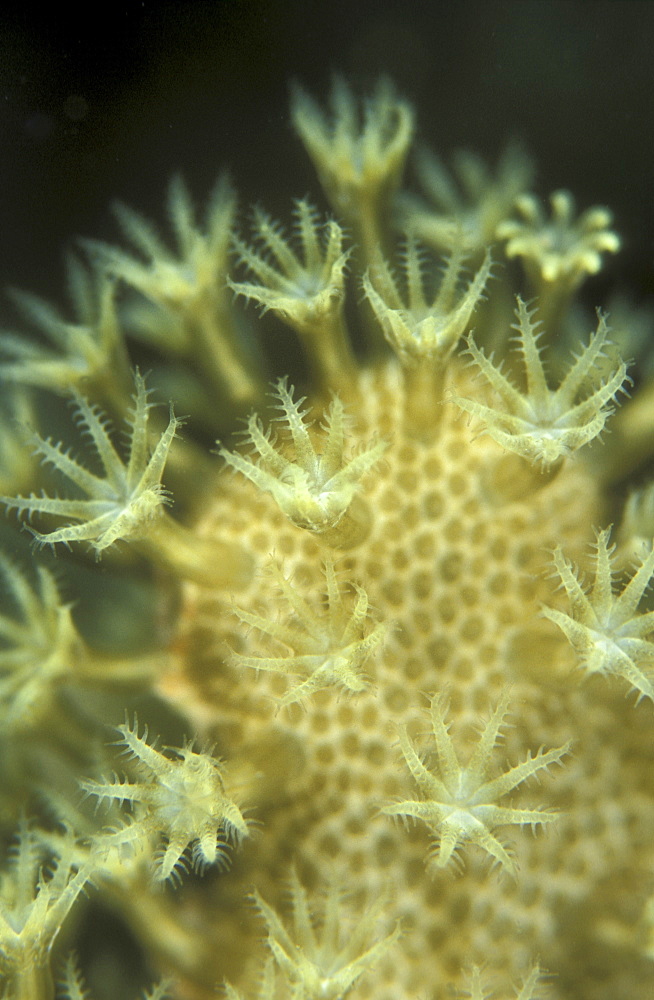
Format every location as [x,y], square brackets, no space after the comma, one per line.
[33,981]
[223,360]
[509,477]
[330,356]
[352,529]
[424,397]
[313,478]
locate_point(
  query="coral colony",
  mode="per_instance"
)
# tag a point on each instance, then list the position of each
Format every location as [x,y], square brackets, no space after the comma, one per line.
[405,636]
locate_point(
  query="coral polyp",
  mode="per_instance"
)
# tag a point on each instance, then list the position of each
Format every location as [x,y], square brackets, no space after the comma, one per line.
[362,648]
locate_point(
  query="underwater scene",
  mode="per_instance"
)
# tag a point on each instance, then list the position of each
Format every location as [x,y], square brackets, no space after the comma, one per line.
[327,491]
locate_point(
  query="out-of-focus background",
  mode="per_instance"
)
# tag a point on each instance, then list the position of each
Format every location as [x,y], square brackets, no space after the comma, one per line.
[110,103]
